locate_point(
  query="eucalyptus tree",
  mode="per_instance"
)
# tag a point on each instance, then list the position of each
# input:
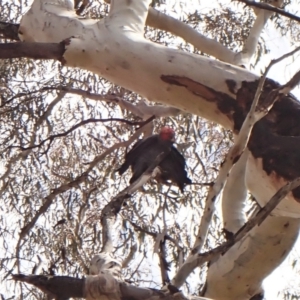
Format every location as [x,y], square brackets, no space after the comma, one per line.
[83,80]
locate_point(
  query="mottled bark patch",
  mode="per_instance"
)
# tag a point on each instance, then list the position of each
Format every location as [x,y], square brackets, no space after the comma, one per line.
[226,104]
[275,138]
[231,84]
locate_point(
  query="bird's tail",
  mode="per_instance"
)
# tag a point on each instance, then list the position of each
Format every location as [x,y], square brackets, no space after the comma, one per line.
[187,180]
[181,185]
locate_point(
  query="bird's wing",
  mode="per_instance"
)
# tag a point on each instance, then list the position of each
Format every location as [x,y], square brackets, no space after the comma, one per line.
[138,149]
[177,156]
[173,168]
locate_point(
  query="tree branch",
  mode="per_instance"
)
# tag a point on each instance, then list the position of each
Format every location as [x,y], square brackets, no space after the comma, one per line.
[256,220]
[212,47]
[60,287]
[154,234]
[141,109]
[257,112]
[250,44]
[164,265]
[92,120]
[103,286]
[33,50]
[57,285]
[269,7]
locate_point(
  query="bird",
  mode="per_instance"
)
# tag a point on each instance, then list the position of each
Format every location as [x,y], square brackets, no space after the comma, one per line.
[145,151]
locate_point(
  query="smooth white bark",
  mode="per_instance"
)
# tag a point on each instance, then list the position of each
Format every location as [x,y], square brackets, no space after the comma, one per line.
[239,273]
[212,47]
[234,196]
[252,41]
[262,185]
[124,57]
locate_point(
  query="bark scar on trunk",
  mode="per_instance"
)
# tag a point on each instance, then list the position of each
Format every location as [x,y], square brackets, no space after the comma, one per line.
[226,104]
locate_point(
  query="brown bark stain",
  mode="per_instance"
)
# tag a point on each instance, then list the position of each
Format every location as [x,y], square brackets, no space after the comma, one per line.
[231,84]
[226,104]
[125,65]
[275,138]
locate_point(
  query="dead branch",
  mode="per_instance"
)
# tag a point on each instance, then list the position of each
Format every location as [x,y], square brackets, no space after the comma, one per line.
[33,50]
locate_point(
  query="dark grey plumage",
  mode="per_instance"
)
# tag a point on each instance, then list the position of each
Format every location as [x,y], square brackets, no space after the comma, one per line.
[144,153]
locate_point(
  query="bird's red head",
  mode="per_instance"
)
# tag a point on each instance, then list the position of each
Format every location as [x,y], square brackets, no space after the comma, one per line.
[167,134]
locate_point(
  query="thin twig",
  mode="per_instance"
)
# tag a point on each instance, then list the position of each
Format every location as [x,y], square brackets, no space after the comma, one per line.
[269,7]
[84,122]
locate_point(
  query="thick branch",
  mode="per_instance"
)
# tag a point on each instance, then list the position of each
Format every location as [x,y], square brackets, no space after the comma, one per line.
[33,50]
[103,286]
[141,109]
[252,40]
[257,111]
[234,197]
[212,47]
[60,287]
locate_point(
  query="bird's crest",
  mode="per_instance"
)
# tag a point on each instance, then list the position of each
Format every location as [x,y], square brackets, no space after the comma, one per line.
[167,134]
